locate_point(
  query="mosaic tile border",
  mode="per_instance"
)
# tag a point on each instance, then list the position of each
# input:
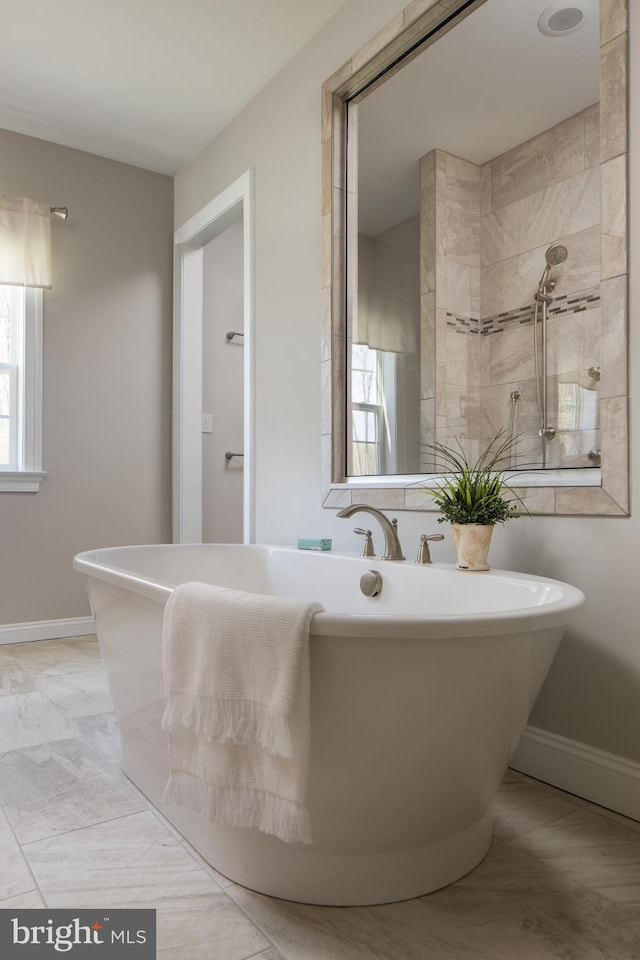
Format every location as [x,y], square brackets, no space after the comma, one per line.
[565,304]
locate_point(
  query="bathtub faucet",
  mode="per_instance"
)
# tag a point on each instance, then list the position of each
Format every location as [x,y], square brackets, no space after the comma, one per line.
[392,548]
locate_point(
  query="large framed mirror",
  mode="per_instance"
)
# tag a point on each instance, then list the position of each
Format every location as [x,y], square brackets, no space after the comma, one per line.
[475,252]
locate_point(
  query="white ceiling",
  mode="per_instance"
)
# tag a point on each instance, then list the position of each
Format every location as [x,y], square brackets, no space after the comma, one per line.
[148,82]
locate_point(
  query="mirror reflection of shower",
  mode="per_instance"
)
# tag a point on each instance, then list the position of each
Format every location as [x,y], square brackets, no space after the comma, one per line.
[555,255]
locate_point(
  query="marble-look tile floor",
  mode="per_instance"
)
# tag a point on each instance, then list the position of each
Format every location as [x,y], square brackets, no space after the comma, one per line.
[560,882]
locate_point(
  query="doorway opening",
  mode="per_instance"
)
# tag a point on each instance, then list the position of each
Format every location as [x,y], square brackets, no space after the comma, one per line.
[214,274]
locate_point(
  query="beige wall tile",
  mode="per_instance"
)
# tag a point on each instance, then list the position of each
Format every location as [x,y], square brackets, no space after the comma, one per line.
[441,336]
[441,283]
[326,462]
[592,342]
[441,394]
[474,292]
[440,174]
[613,115]
[512,355]
[340,77]
[495,406]
[614,217]
[614,302]
[427,421]
[458,296]
[586,501]
[463,236]
[485,189]
[427,346]
[541,500]
[326,176]
[592,136]
[581,269]
[337,499]
[511,283]
[326,250]
[459,369]
[615,455]
[554,155]
[500,234]
[463,411]
[566,207]
[427,223]
[378,43]
[325,323]
[463,183]
[565,343]
[416,8]
[613,19]
[416,498]
[326,380]
[377,497]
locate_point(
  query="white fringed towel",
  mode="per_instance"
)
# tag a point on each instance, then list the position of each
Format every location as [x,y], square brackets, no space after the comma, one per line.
[236,672]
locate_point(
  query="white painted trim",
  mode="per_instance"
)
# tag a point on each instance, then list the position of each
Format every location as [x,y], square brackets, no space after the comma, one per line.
[604,778]
[46,630]
[28,441]
[189,239]
[33,392]
[21,481]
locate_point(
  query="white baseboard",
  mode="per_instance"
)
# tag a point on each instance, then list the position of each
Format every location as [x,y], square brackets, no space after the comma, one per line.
[604,778]
[46,630]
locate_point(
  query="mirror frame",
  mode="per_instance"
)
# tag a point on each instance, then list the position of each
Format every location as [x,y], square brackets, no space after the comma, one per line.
[406,36]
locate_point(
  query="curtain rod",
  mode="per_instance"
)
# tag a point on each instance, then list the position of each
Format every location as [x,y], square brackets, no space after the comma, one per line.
[61,212]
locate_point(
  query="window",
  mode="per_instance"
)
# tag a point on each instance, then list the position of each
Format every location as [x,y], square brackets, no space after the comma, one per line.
[20,389]
[367,422]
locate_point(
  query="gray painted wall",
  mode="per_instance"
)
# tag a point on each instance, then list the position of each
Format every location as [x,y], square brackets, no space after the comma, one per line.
[107,375]
[592,692]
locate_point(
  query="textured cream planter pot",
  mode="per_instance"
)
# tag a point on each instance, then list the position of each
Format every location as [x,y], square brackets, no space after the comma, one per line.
[472,542]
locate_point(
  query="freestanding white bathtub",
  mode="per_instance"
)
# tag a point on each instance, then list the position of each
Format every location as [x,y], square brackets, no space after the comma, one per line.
[418,696]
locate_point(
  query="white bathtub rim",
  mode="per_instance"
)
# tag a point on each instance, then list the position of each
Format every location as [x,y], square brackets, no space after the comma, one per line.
[556,613]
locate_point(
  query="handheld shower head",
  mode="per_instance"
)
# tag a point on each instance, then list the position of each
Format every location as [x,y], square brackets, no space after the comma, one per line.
[556,254]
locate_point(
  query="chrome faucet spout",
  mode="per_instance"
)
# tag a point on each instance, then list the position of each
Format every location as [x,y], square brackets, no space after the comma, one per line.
[392,548]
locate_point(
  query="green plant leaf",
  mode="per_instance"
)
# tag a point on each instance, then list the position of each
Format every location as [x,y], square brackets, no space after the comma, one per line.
[476,492]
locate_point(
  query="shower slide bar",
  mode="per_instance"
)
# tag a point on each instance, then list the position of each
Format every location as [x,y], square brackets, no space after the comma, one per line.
[555,255]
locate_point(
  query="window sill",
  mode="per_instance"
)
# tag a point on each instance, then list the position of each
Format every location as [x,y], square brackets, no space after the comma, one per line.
[21,481]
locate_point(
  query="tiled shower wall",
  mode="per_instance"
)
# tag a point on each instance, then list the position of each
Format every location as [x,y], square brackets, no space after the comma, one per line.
[483,258]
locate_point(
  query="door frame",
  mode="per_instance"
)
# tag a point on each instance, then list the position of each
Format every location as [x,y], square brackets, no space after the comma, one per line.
[236,202]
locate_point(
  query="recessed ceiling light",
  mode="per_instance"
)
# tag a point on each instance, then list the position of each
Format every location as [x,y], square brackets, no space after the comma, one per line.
[561,18]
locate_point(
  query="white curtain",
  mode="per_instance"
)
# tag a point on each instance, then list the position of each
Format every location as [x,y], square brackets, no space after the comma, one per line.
[25,242]
[388,315]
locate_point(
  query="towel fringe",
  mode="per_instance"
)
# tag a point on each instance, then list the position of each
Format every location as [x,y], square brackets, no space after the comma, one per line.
[230,721]
[241,807]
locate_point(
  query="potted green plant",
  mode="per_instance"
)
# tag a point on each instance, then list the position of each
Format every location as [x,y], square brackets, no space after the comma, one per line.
[474,497]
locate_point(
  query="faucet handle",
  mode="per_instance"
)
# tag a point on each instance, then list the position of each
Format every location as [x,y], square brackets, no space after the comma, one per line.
[367,546]
[424,556]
